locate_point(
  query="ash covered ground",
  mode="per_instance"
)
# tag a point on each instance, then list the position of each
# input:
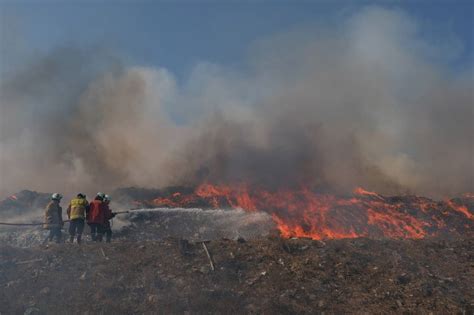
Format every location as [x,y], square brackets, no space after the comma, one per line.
[260,276]
[157,264]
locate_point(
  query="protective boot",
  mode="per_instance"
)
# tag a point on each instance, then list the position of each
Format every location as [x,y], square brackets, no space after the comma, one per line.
[93,237]
[50,236]
[79,239]
[59,236]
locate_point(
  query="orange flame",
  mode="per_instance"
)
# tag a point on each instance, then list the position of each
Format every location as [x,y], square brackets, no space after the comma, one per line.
[461,208]
[304,213]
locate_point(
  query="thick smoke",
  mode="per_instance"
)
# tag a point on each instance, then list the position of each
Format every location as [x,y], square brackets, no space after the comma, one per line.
[368,104]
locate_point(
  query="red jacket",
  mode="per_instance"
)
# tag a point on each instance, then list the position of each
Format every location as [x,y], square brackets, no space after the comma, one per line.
[97,212]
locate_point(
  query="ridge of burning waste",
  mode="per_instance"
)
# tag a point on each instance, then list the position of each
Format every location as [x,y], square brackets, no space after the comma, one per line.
[305,213]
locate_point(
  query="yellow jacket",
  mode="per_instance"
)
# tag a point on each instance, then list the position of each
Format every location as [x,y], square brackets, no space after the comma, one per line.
[77,208]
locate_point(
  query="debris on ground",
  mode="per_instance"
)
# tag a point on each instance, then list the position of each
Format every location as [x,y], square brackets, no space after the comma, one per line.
[267,275]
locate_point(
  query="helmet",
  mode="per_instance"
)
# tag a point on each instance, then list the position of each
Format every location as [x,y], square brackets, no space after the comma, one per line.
[81,195]
[56,196]
[107,198]
[101,195]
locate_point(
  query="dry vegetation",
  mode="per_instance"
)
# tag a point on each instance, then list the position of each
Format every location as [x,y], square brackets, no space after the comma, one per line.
[266,275]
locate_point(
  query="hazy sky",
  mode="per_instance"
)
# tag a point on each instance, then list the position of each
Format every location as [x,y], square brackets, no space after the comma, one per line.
[178,34]
[331,94]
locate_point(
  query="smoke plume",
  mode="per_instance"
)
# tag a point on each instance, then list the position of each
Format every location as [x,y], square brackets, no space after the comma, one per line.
[370,103]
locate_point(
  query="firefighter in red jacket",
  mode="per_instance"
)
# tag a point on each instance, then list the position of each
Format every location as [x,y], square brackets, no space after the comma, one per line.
[108,216]
[96,217]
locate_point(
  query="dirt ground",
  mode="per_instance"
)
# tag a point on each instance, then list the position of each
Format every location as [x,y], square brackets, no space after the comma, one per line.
[261,276]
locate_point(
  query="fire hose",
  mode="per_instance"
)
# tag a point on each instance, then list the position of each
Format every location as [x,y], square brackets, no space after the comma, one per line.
[36,224]
[24,224]
[115,213]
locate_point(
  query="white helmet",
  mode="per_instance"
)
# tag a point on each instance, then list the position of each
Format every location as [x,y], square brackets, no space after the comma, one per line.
[56,196]
[107,198]
[101,195]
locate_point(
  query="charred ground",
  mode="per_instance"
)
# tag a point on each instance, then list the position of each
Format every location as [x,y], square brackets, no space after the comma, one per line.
[267,275]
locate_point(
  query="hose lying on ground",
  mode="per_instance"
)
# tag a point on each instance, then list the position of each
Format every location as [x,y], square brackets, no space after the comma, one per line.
[118,212]
[24,224]
[20,224]
[33,224]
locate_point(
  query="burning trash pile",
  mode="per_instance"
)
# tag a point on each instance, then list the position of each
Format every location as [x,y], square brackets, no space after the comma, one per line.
[304,213]
[224,211]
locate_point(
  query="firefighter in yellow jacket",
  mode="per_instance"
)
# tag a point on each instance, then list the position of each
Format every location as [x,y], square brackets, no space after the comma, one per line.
[53,220]
[76,211]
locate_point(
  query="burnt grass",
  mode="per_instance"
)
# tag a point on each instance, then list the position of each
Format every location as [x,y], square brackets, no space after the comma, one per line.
[261,276]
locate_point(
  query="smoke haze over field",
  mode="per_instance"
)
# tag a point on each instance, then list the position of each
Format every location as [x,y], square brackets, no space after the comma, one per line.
[368,104]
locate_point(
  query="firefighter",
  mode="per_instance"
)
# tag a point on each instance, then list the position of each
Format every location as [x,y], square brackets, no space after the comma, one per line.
[76,212]
[108,216]
[53,218]
[96,217]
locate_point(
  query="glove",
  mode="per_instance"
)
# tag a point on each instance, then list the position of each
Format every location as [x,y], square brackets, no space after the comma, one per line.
[114,214]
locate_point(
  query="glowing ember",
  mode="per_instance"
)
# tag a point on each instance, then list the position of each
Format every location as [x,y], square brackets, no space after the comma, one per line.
[461,208]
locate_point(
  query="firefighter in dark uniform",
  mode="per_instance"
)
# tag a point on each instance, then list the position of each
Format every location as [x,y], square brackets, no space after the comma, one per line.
[108,214]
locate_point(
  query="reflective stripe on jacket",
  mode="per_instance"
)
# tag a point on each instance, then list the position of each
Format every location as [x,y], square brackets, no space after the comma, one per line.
[77,208]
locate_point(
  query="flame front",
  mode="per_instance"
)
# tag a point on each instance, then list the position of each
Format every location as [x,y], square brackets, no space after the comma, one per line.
[304,213]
